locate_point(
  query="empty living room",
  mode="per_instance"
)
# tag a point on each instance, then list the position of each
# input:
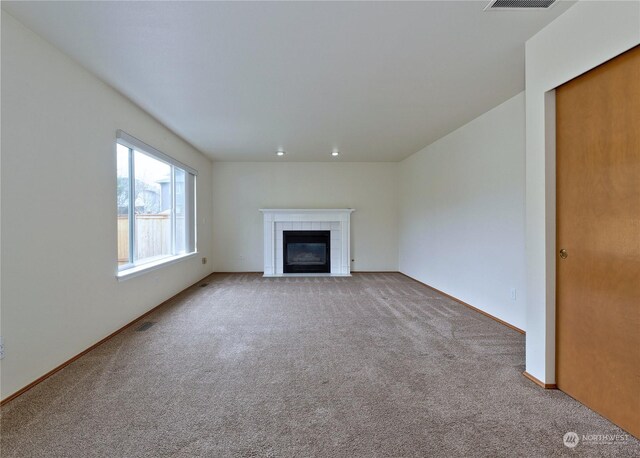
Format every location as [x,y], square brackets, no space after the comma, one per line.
[320,228]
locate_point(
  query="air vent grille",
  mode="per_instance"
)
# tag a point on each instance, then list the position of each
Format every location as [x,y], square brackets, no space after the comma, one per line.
[144,326]
[519,4]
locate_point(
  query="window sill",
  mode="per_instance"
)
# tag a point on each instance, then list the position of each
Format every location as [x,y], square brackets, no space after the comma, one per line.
[150,266]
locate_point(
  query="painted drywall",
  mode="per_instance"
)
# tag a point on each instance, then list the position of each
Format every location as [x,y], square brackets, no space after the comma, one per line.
[60,294]
[588,34]
[462,213]
[240,189]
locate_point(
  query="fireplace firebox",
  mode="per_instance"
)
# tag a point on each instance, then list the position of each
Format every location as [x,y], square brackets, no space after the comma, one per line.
[306,251]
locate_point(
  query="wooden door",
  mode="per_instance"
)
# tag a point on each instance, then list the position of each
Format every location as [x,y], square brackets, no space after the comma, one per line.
[598,224]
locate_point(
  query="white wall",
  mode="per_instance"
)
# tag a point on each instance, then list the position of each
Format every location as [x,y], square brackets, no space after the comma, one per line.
[59,290]
[588,34]
[240,189]
[462,213]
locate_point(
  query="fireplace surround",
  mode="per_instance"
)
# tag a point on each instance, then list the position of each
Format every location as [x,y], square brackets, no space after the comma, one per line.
[335,222]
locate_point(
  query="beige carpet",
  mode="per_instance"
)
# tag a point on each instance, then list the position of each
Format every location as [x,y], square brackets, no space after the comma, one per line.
[373,365]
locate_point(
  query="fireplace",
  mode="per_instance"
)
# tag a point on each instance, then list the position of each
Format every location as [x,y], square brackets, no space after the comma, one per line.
[335,221]
[306,251]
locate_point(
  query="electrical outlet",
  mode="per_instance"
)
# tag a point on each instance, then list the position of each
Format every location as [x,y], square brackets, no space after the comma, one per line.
[1,347]
[204,260]
[514,294]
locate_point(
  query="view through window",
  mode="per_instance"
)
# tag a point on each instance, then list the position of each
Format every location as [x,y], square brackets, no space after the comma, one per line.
[156,205]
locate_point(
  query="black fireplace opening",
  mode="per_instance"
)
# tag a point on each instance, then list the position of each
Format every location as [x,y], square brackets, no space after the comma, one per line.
[306,251]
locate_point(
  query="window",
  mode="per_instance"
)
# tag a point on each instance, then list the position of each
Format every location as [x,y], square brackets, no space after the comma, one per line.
[156,206]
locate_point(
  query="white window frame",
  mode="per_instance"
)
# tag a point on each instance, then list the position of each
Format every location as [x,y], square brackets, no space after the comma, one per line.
[134,268]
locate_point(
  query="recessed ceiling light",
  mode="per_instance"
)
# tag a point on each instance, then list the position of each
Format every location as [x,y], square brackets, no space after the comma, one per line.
[335,153]
[280,152]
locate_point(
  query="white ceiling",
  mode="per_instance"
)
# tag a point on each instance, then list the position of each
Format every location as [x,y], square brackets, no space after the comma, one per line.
[378,80]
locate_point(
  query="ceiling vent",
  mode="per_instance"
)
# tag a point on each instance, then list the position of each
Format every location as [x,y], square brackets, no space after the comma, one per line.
[518,4]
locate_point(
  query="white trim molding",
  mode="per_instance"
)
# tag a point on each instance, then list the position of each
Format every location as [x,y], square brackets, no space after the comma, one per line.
[277,220]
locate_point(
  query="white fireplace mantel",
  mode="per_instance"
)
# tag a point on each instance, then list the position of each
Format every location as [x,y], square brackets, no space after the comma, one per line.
[336,220]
